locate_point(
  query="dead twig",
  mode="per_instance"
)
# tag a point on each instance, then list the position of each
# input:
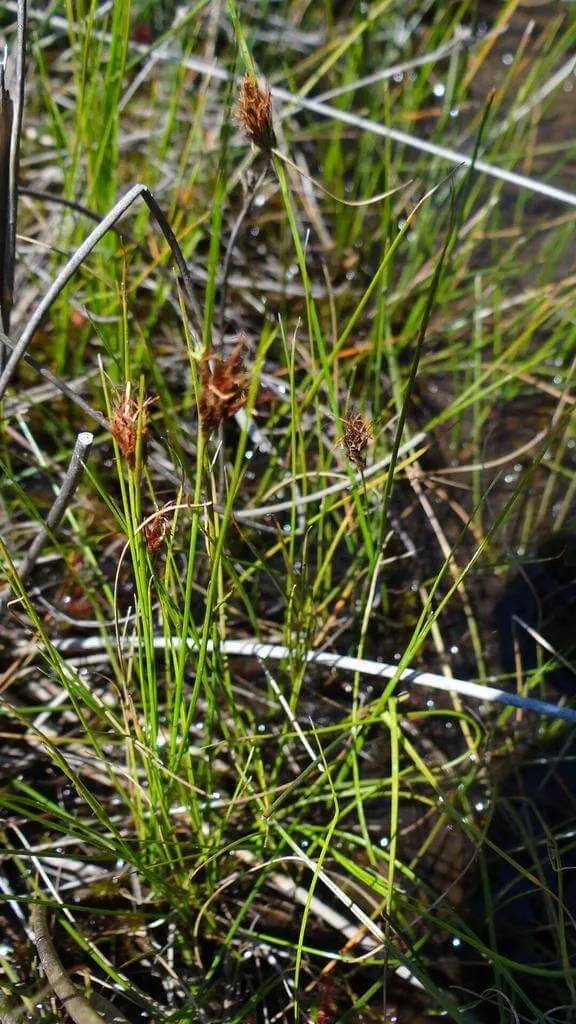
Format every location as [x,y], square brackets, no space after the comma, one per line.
[61,502]
[79,1008]
[84,250]
[11,109]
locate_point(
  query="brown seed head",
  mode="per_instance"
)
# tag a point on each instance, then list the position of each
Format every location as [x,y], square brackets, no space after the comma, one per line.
[130,419]
[224,387]
[253,113]
[357,433]
[157,529]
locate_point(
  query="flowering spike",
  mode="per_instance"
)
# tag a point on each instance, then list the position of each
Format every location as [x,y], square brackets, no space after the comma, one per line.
[157,528]
[130,418]
[357,433]
[253,113]
[224,387]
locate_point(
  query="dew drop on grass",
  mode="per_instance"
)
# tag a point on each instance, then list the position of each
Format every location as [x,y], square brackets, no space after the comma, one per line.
[507,59]
[454,649]
[398,76]
[456,942]
[479,805]
[261,727]
[430,704]
[249,454]
[439,89]
[259,199]
[455,112]
[384,842]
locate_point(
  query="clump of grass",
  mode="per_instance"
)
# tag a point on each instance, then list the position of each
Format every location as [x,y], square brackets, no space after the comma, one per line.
[260,756]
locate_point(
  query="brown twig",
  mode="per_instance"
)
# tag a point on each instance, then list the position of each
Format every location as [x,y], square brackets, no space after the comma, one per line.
[80,1009]
[69,484]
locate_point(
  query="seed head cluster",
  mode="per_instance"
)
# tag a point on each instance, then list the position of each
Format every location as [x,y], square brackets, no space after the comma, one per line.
[224,387]
[157,529]
[357,433]
[130,420]
[253,113]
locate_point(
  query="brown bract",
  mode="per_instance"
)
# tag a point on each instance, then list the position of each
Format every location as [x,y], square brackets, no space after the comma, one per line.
[130,419]
[357,433]
[224,387]
[253,113]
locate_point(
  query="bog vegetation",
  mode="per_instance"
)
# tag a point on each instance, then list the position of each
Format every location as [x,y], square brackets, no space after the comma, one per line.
[288,479]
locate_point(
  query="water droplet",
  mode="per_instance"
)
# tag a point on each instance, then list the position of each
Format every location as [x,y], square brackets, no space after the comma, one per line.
[507,59]
[439,89]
